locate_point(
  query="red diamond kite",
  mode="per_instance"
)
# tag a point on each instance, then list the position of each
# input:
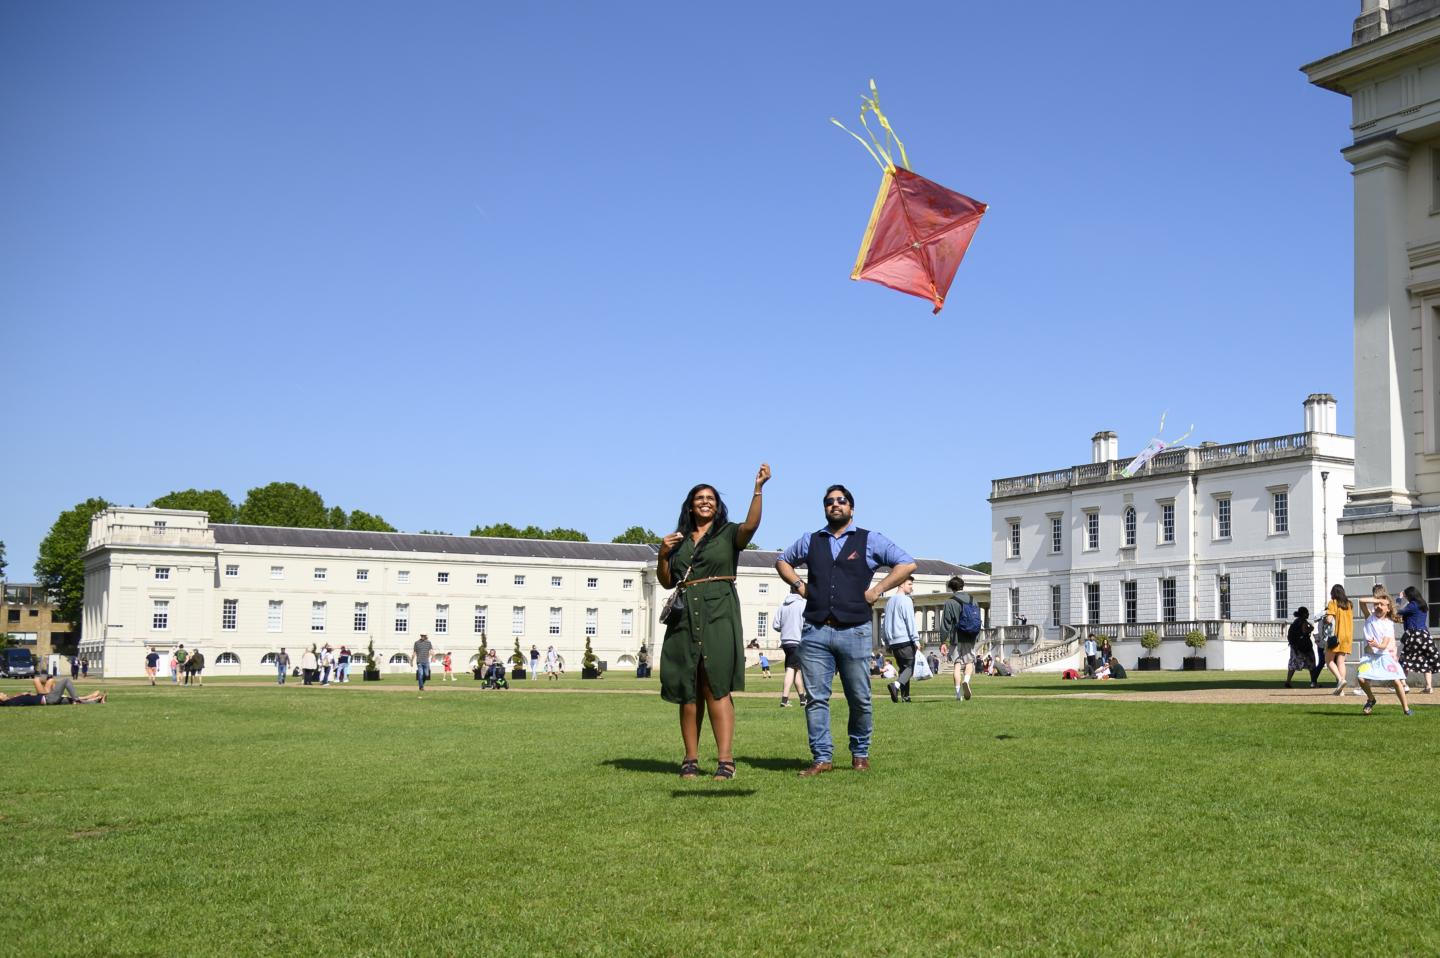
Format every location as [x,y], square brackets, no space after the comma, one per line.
[918,230]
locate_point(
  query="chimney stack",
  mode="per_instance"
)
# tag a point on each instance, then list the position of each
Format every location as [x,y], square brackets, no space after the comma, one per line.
[1320,413]
[1104,447]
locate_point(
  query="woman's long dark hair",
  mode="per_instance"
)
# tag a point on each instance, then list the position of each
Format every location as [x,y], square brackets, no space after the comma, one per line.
[1412,596]
[1337,592]
[686,524]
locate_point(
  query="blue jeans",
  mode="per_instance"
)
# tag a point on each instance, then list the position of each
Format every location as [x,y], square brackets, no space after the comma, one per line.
[279,674]
[422,674]
[824,650]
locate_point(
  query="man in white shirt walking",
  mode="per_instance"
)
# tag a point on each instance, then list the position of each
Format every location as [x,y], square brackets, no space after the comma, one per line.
[789,619]
[898,625]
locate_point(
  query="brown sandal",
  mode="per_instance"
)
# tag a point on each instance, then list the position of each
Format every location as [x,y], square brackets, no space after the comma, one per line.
[724,771]
[690,768]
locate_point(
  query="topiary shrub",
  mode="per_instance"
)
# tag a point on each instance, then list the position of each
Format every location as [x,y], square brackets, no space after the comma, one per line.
[1195,639]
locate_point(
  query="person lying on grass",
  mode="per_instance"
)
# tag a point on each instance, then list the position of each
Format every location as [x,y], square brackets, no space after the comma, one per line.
[52,691]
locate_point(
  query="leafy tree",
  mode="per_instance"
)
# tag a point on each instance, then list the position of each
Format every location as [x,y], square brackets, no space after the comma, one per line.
[284,504]
[59,567]
[211,501]
[433,532]
[2,560]
[980,567]
[336,518]
[504,530]
[362,521]
[637,536]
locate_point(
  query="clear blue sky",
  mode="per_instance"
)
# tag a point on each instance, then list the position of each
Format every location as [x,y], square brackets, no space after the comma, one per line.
[458,263]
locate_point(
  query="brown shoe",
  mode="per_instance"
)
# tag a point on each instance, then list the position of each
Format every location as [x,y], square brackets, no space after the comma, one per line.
[860,764]
[817,768]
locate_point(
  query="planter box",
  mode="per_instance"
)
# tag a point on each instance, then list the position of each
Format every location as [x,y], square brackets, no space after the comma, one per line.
[1193,664]
[589,673]
[1148,665]
[517,673]
[372,676]
[479,674]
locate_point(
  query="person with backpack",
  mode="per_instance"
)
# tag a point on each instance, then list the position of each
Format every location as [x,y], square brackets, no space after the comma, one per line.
[960,621]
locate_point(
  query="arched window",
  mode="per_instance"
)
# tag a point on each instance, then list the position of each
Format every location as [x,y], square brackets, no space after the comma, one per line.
[227,658]
[626,661]
[1130,526]
[269,658]
[399,658]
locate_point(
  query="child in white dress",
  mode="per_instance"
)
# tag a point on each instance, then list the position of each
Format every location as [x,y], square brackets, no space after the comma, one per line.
[1378,663]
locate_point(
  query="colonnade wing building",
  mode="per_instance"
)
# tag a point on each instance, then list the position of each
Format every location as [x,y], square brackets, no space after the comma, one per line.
[160,578]
[1391,73]
[1228,539]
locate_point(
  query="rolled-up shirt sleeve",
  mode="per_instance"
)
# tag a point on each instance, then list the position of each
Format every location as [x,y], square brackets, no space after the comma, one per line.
[883,552]
[798,552]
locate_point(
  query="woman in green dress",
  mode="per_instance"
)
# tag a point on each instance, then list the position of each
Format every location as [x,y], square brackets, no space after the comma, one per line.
[702,659]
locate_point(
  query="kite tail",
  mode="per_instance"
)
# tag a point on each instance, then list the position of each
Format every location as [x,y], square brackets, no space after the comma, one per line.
[880,152]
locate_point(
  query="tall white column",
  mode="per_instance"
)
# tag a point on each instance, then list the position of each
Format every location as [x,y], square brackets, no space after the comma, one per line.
[1383,464]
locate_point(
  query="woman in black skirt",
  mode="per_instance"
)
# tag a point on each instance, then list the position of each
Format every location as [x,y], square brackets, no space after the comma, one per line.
[1302,651]
[1418,649]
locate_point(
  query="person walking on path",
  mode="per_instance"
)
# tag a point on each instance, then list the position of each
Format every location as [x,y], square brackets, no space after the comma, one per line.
[1341,620]
[1417,653]
[174,669]
[1378,663]
[702,657]
[534,662]
[309,664]
[841,560]
[422,650]
[1302,650]
[445,664]
[180,656]
[195,668]
[960,622]
[152,663]
[898,624]
[282,667]
[789,619]
[342,665]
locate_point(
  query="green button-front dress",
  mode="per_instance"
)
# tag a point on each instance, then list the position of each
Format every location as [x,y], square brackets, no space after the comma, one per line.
[709,631]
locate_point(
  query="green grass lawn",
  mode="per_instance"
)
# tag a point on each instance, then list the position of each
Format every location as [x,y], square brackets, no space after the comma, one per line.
[363,820]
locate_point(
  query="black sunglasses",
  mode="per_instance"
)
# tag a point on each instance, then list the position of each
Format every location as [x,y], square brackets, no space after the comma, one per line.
[837,501]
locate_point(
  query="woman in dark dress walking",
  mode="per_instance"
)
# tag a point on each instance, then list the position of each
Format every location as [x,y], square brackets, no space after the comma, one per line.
[702,659]
[1302,650]
[1417,653]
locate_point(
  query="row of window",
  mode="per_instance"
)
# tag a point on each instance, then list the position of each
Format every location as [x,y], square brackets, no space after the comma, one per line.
[1129,600]
[360,619]
[1279,524]
[402,576]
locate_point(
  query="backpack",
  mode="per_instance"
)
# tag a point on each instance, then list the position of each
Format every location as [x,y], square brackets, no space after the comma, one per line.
[969,618]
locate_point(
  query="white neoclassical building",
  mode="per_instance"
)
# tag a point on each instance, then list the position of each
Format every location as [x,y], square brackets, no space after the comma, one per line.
[158,578]
[1228,539]
[1391,72]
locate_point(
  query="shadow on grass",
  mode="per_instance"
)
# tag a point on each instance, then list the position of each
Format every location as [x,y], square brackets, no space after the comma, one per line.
[651,765]
[713,793]
[775,764]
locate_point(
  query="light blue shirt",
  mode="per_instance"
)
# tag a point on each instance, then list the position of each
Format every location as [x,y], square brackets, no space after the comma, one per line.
[899,620]
[879,549]
[790,620]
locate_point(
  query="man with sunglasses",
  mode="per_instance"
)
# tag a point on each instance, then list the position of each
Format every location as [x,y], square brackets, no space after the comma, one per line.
[841,560]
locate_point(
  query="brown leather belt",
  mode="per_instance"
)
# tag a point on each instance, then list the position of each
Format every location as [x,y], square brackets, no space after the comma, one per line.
[713,578]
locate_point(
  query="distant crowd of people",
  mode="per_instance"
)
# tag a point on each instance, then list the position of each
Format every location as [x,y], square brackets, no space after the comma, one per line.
[1395,639]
